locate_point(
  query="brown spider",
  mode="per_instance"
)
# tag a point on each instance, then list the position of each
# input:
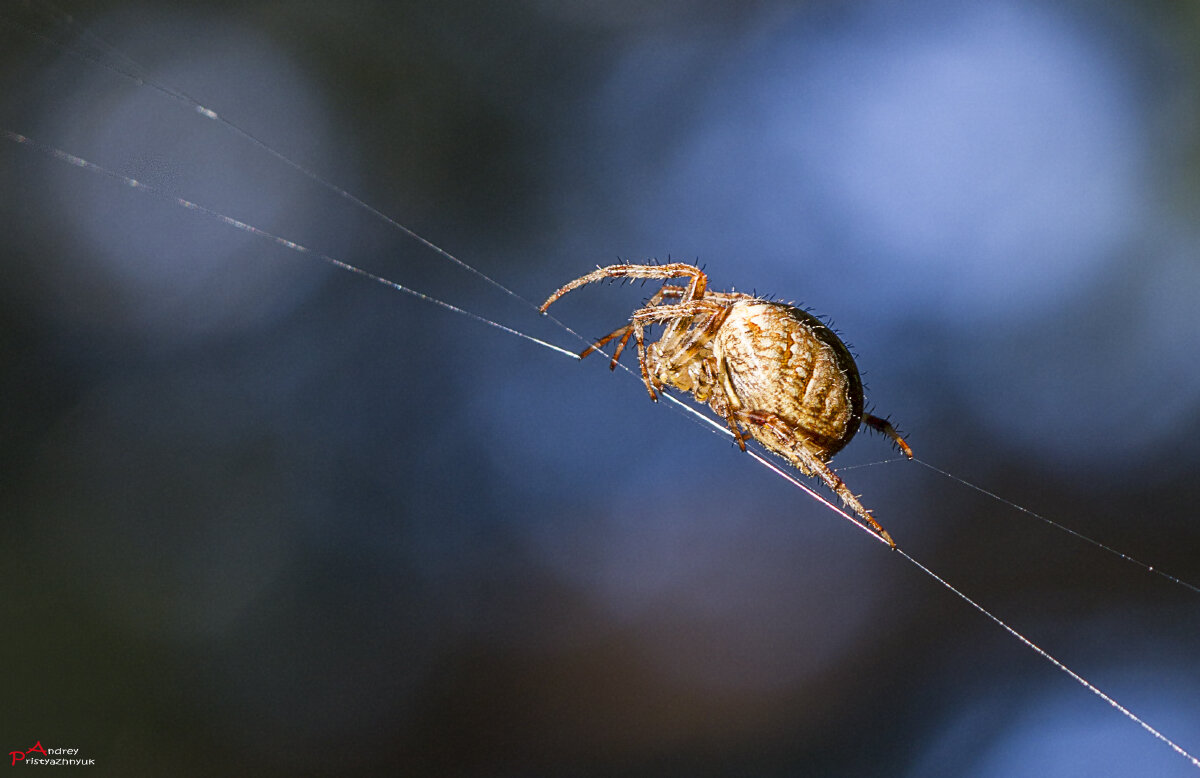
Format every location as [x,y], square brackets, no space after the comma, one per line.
[767,367]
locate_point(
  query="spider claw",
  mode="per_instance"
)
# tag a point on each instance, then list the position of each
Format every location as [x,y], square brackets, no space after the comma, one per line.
[877,527]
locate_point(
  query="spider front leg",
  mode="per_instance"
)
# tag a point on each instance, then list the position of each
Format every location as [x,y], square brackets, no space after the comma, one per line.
[695,287]
[793,448]
[625,332]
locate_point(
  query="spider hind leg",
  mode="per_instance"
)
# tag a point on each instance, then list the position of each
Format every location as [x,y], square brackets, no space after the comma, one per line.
[795,449]
[882,425]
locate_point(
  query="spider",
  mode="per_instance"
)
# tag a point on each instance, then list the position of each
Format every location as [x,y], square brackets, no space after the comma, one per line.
[767,368]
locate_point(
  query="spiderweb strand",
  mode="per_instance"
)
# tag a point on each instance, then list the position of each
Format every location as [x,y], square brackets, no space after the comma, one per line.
[137,75]
[1085,683]
[230,221]
[1056,663]
[1063,528]
[844,468]
[241,225]
[775,468]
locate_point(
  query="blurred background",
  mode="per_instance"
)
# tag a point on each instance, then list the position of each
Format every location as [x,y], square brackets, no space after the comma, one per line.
[260,516]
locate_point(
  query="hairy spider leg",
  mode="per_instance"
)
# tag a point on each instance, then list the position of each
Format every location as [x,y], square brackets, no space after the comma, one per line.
[884,426]
[679,316]
[624,332]
[695,287]
[720,304]
[805,460]
[682,350]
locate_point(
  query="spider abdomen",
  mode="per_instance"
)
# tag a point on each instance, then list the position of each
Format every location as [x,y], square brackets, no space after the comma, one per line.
[776,359]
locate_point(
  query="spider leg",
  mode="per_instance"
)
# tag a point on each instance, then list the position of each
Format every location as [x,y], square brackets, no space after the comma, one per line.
[727,413]
[728,297]
[793,448]
[695,288]
[884,426]
[682,311]
[666,291]
[612,365]
[698,339]
[710,302]
[713,313]
[675,340]
[621,332]
[639,332]
[675,314]
[624,332]
[678,317]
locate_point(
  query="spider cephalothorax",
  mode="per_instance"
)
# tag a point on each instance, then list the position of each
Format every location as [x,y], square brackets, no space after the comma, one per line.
[768,368]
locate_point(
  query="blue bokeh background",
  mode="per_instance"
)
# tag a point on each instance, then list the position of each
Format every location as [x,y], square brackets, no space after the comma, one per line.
[260,516]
